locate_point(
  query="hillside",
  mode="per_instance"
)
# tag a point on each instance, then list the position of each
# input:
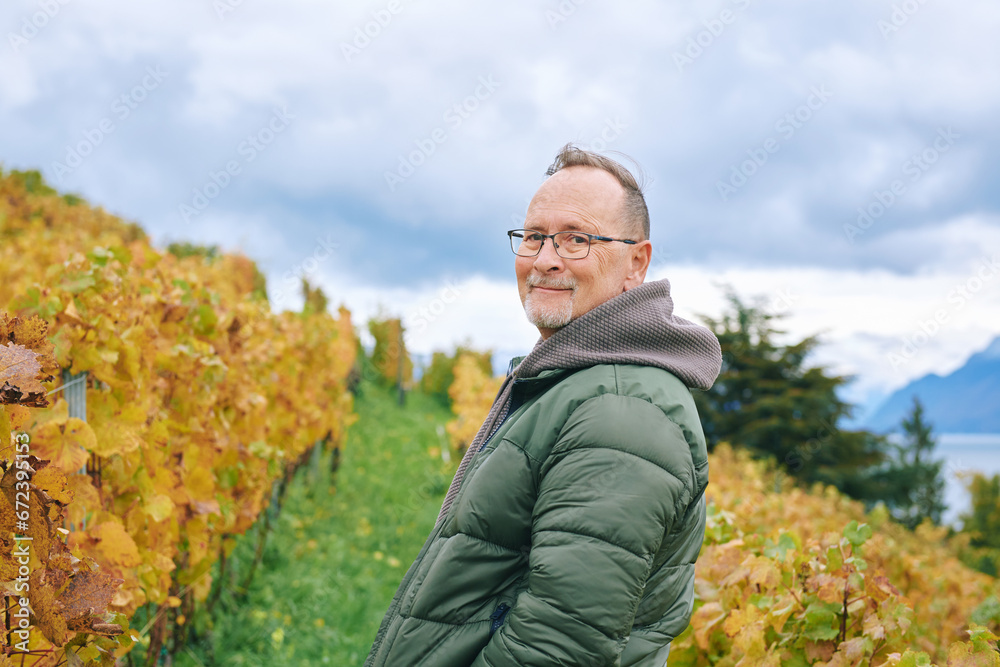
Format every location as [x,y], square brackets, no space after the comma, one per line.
[965,401]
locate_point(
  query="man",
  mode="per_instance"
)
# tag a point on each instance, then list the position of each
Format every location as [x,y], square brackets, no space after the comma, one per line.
[571,528]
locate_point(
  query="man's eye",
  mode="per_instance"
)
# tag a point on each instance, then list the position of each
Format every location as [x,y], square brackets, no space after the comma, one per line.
[532,237]
[577,239]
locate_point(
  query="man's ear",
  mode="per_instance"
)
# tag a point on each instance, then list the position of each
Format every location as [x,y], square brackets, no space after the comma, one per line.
[638,260]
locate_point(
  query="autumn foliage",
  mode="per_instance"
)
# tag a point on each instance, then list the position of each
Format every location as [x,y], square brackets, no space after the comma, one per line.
[198,399]
[795,576]
[472,394]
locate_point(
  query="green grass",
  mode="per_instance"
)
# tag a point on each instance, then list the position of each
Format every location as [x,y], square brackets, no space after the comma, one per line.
[336,553]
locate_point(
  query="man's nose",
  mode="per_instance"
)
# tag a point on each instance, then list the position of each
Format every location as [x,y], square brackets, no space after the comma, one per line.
[547,256]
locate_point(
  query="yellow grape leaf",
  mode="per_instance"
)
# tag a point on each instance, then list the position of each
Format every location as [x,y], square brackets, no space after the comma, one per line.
[880,588]
[966,654]
[740,618]
[159,507]
[57,412]
[829,588]
[53,482]
[873,628]
[116,545]
[778,616]
[18,416]
[704,621]
[86,498]
[764,573]
[849,653]
[65,445]
[21,377]
[163,563]
[116,438]
[200,484]
[6,451]
[199,540]
[31,332]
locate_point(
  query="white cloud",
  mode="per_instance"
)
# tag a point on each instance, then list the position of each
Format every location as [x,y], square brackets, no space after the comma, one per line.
[560,80]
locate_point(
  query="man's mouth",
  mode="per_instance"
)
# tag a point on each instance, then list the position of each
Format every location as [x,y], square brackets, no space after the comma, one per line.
[551,289]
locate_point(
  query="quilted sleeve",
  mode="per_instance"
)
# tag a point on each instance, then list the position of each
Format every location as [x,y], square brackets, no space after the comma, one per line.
[616,480]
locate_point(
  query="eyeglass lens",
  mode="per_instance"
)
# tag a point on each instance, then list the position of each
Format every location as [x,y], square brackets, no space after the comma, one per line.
[568,244]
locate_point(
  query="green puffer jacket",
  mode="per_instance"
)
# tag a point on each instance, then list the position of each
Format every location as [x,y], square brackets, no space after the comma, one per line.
[573,536]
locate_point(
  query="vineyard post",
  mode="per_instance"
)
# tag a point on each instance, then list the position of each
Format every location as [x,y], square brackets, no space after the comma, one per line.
[75,393]
[399,361]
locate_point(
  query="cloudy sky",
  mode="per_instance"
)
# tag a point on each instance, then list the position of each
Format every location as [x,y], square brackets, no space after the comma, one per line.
[839,160]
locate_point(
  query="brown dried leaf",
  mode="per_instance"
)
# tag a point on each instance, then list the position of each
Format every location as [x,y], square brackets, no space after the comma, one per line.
[32,333]
[87,597]
[21,377]
[46,608]
[106,629]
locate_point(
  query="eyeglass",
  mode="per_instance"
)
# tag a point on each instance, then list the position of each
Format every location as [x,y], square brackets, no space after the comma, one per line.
[569,245]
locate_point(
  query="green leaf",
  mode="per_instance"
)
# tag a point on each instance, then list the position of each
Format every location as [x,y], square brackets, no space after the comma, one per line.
[820,621]
[778,551]
[834,559]
[857,535]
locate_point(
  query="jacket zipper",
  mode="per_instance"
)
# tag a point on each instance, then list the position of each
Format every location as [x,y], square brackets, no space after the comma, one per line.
[497,616]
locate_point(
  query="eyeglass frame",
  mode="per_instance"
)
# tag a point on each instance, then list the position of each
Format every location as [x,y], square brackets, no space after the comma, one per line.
[590,243]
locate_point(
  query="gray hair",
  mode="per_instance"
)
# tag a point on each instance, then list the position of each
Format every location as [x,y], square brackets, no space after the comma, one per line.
[635,215]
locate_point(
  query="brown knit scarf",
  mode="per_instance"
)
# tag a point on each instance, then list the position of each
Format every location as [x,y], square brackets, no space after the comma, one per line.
[634,327]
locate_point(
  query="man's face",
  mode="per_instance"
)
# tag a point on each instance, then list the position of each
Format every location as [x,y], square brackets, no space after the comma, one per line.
[555,290]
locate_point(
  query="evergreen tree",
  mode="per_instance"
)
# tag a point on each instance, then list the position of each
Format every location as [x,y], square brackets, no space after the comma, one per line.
[767,400]
[982,523]
[911,483]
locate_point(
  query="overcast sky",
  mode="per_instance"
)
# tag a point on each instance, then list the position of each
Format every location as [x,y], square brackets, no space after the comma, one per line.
[838,159]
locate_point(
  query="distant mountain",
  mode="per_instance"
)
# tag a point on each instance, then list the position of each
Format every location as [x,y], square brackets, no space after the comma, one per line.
[966,401]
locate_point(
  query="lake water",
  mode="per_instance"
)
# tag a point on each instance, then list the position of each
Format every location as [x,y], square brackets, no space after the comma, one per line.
[973,451]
